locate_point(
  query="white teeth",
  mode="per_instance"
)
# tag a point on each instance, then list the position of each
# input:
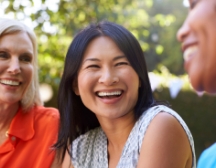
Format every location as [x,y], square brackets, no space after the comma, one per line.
[189,52]
[116,93]
[9,82]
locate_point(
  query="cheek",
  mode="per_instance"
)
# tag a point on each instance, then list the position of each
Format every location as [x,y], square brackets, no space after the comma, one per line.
[208,50]
[212,41]
[1,68]
[85,84]
[28,74]
[134,93]
[196,76]
[85,91]
[133,82]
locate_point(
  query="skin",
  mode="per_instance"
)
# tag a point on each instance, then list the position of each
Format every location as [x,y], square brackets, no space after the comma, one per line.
[16,54]
[105,68]
[198,31]
[165,145]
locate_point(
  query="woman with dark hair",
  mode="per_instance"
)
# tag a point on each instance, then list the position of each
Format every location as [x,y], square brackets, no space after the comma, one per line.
[198,38]
[108,116]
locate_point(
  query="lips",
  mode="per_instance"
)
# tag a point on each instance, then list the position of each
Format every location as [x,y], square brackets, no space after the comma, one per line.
[9,82]
[189,52]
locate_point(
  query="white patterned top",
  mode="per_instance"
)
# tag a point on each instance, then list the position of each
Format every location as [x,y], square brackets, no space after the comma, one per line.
[90,150]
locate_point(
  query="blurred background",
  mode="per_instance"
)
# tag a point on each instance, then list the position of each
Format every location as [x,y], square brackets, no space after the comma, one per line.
[153,22]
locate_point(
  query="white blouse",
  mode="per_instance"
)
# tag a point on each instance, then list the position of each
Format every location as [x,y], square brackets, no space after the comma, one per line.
[90,150]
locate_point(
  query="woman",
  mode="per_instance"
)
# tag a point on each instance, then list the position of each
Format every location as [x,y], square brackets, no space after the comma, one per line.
[198,37]
[108,115]
[27,130]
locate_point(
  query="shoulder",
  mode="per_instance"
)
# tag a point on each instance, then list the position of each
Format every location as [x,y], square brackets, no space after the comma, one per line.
[208,157]
[164,113]
[45,119]
[153,111]
[45,112]
[165,139]
[165,125]
[160,113]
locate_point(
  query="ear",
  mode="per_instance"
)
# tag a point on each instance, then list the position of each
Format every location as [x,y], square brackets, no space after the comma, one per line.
[75,87]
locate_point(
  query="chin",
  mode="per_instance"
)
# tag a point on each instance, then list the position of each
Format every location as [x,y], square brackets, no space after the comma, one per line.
[210,85]
[209,89]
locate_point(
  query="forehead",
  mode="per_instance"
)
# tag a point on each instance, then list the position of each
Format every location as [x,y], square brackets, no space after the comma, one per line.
[101,44]
[18,41]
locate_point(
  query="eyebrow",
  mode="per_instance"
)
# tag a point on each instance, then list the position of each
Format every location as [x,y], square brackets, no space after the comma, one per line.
[28,53]
[3,48]
[95,59]
[91,59]
[119,57]
[25,52]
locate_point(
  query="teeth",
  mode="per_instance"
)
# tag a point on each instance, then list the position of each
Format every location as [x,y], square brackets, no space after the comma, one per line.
[9,82]
[189,52]
[116,93]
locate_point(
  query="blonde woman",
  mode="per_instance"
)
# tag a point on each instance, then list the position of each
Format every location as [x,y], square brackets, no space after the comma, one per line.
[27,129]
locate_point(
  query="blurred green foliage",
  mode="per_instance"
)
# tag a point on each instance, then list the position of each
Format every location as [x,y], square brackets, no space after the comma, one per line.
[153,22]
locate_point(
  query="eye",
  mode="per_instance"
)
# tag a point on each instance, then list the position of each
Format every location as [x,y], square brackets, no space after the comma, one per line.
[4,55]
[92,66]
[121,63]
[25,58]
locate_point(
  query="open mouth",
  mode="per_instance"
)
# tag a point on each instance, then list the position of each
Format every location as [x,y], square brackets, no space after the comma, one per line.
[189,52]
[10,82]
[113,94]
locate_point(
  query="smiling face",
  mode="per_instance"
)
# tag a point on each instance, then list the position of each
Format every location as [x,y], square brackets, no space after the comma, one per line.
[198,37]
[16,54]
[107,83]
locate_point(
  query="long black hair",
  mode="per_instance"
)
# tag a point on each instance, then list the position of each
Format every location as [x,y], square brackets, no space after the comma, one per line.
[75,118]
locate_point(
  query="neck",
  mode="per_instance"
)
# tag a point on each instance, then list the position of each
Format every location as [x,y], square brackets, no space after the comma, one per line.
[118,130]
[7,112]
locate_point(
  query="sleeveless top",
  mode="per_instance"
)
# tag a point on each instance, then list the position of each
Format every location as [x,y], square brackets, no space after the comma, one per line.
[90,149]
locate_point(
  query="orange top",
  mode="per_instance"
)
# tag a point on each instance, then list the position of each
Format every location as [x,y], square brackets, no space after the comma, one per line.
[30,138]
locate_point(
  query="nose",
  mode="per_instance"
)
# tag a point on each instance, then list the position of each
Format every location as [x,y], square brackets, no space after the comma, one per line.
[183,32]
[108,77]
[14,66]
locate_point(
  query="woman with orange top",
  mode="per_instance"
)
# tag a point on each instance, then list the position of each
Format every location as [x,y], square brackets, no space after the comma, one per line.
[27,129]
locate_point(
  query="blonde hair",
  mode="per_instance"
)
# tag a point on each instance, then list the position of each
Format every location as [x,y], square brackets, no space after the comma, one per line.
[31,96]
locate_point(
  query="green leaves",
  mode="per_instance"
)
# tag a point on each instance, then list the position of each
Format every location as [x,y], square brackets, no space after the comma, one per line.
[153,23]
